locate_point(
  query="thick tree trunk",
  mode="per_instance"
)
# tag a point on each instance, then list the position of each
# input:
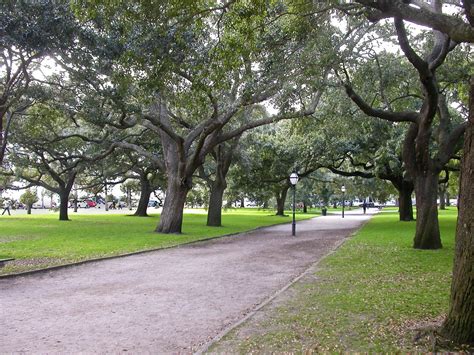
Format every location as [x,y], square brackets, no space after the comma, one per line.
[223,154]
[214,213]
[305,207]
[280,206]
[427,234]
[281,199]
[442,196]
[28,209]
[242,203]
[144,198]
[171,219]
[459,324]
[405,208]
[63,205]
[448,202]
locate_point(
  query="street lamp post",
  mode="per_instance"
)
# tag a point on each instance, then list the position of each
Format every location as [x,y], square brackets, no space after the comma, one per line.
[293,180]
[343,189]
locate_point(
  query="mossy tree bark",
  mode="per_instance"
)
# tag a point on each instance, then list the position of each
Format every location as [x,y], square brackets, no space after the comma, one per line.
[459,324]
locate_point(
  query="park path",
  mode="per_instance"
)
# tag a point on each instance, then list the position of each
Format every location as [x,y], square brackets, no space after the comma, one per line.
[169,301]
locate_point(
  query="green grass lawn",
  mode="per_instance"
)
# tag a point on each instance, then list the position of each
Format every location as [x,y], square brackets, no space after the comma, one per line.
[371,295]
[39,241]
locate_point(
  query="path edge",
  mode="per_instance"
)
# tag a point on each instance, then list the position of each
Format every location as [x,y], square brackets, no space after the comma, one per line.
[206,346]
[79,263]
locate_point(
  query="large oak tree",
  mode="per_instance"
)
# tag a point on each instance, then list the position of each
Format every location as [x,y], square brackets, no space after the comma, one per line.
[196,77]
[459,324]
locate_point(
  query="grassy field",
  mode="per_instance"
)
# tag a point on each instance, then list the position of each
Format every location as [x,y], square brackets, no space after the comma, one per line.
[39,241]
[372,295]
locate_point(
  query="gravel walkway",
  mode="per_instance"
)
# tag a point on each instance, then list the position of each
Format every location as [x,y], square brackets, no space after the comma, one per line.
[168,301]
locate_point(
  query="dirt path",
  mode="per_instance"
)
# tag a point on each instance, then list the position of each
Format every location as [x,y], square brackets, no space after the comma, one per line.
[169,301]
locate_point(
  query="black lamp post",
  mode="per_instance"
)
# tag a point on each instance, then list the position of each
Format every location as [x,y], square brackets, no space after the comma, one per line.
[293,180]
[343,189]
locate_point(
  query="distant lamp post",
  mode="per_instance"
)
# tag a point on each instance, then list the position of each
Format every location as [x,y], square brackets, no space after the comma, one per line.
[293,180]
[343,189]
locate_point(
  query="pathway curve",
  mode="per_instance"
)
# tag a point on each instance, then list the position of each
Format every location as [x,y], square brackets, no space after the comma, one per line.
[168,301]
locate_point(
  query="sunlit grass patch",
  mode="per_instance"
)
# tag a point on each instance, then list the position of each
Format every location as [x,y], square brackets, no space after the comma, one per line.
[369,296]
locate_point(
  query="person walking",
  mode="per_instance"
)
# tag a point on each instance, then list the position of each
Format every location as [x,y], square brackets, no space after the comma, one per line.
[6,207]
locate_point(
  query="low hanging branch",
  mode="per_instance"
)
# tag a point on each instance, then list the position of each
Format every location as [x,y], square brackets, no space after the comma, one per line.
[420,14]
